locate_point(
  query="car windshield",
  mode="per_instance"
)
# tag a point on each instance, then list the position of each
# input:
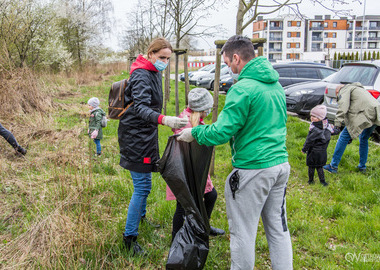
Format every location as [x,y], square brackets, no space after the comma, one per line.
[329,78]
[207,68]
[355,73]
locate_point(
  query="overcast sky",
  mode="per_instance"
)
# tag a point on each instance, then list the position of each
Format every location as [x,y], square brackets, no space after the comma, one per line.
[227,16]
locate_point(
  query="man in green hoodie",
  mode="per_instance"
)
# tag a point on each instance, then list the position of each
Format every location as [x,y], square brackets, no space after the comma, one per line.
[253,120]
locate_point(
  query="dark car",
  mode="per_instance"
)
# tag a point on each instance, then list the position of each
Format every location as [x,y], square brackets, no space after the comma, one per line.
[226,82]
[291,73]
[302,97]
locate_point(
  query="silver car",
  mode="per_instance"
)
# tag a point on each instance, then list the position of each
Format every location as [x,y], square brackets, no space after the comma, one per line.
[206,79]
[365,72]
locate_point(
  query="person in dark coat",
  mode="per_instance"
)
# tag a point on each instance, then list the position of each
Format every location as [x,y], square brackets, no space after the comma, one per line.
[316,143]
[10,138]
[138,132]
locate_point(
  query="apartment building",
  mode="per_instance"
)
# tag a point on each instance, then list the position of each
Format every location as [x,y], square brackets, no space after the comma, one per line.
[291,38]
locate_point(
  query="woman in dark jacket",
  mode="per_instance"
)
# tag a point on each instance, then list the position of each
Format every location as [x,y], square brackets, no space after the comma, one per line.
[138,131]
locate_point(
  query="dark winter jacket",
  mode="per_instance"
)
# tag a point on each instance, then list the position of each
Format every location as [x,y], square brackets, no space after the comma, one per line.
[138,128]
[95,122]
[317,142]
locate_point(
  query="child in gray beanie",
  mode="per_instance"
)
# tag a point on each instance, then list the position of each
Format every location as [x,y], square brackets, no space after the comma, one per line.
[95,130]
[200,104]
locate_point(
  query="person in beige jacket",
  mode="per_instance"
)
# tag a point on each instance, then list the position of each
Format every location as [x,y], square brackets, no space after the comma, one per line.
[359,111]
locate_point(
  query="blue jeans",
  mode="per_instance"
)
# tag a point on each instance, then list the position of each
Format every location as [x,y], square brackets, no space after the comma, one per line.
[142,184]
[342,142]
[8,136]
[98,146]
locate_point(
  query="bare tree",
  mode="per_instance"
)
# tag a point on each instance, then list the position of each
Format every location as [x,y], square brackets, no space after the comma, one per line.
[249,10]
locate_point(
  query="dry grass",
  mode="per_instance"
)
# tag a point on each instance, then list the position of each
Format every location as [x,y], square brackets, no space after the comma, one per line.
[45,197]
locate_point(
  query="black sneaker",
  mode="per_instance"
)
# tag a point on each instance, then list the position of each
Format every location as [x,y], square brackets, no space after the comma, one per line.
[216,231]
[150,223]
[324,183]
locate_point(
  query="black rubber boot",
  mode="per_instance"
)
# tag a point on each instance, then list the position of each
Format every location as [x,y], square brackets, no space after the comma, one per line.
[324,183]
[131,243]
[21,150]
[150,223]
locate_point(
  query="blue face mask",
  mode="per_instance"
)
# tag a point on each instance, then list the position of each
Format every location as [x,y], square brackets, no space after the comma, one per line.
[234,76]
[160,65]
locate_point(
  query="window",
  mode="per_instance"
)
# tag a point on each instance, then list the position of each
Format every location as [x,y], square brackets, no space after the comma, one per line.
[335,24]
[326,34]
[372,45]
[287,57]
[324,45]
[333,45]
[303,72]
[289,24]
[334,35]
[286,72]
[298,34]
[363,74]
[289,34]
[297,45]
[288,45]
[326,72]
[298,24]
[297,56]
[326,24]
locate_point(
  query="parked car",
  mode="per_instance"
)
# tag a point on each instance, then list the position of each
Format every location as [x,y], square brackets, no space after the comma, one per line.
[365,72]
[226,81]
[207,80]
[291,73]
[302,97]
[191,73]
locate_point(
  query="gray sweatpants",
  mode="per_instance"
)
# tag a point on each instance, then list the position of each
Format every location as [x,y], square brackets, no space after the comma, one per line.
[260,192]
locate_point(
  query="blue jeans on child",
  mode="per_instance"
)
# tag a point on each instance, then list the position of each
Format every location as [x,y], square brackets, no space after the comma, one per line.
[98,146]
[142,184]
[342,142]
[8,136]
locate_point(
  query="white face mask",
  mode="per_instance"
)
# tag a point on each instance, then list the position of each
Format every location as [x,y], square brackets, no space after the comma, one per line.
[235,76]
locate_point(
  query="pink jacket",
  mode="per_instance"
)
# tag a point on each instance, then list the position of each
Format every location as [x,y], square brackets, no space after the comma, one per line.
[169,194]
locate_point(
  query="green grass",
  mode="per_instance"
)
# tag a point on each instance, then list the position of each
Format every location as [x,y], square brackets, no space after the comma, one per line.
[61,208]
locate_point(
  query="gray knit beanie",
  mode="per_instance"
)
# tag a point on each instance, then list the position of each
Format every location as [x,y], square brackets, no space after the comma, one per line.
[94,102]
[200,100]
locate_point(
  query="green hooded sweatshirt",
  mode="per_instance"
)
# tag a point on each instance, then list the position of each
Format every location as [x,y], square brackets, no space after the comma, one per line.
[253,119]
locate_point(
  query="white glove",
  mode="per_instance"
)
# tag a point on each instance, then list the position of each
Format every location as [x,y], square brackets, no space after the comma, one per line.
[94,134]
[185,135]
[175,122]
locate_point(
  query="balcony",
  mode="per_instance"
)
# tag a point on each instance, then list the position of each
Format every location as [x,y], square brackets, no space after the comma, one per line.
[275,50]
[317,38]
[360,39]
[349,39]
[360,28]
[275,28]
[275,38]
[374,38]
[374,28]
[316,49]
[316,28]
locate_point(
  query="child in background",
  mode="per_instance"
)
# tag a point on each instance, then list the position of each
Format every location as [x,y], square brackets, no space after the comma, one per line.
[200,104]
[95,124]
[317,141]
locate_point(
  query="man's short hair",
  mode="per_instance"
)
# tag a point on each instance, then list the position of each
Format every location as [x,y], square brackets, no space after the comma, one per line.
[239,45]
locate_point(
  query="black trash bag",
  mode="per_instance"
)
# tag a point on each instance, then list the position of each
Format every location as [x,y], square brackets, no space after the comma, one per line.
[184,167]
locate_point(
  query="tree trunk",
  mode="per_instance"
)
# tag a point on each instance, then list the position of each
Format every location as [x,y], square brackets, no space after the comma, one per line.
[240,18]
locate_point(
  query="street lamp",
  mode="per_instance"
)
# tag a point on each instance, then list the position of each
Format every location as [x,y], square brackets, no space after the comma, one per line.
[361,43]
